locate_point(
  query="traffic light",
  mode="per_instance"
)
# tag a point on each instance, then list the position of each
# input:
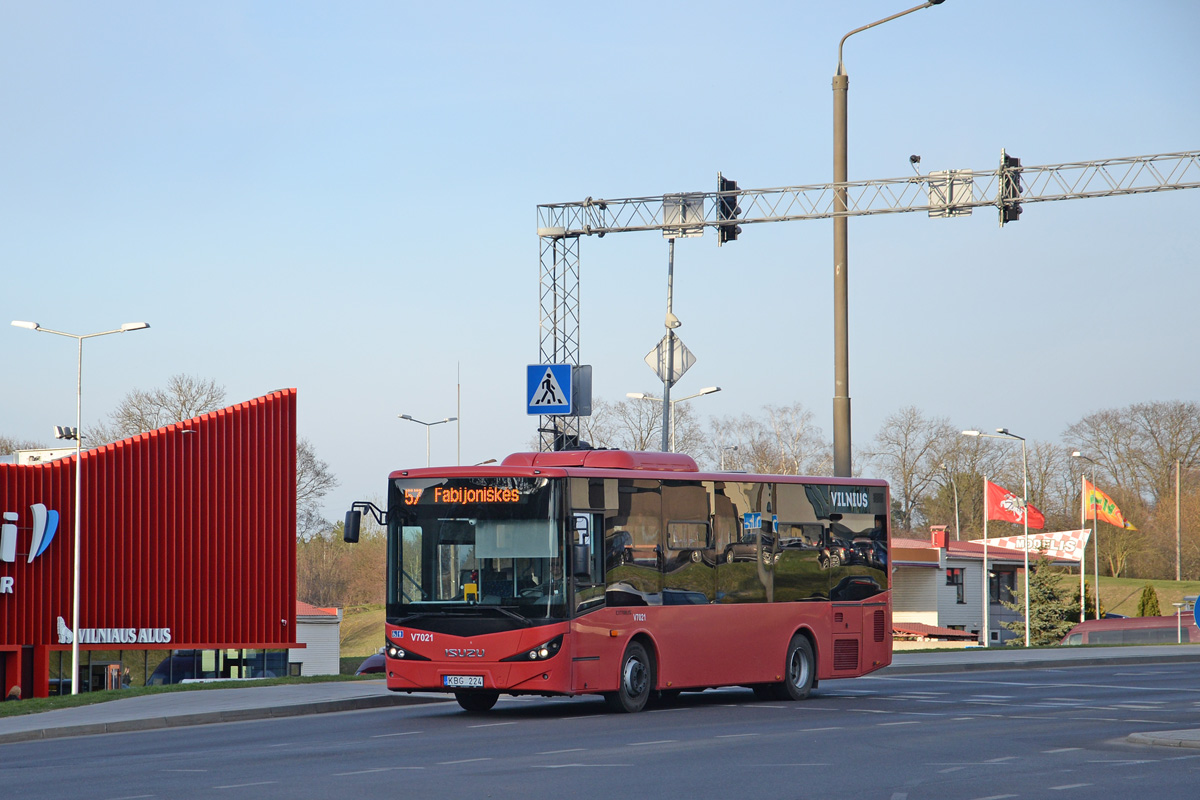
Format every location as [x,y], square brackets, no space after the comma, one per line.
[1010,188]
[727,211]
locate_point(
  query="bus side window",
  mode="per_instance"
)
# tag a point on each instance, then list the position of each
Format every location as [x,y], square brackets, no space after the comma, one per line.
[583,555]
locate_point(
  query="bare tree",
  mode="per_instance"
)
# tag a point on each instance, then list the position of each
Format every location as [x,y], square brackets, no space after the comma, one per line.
[782,441]
[638,424]
[1137,446]
[313,481]
[909,451]
[182,398]
[185,397]
[11,444]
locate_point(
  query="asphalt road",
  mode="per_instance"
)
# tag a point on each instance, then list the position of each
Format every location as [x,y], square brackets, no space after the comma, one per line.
[1033,733]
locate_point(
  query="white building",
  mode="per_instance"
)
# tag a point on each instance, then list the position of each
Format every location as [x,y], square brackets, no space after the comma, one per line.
[319,629]
[939,583]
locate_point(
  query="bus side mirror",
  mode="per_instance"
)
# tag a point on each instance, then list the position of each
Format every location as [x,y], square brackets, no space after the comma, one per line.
[350,531]
[581,559]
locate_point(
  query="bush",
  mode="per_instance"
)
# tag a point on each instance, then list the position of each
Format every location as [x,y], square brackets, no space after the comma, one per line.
[1148,604]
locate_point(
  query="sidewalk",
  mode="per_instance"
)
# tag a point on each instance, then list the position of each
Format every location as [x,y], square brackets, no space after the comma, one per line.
[203,707]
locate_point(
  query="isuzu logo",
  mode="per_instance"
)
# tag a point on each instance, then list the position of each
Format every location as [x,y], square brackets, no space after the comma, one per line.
[471,652]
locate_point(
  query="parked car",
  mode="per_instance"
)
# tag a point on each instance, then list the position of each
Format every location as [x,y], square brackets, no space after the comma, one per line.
[1133,630]
[373,663]
[746,548]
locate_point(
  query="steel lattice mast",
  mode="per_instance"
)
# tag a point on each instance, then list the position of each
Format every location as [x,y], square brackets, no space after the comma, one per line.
[950,193]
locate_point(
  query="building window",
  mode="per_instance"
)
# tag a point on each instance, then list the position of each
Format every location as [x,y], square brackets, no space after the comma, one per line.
[954,577]
[1001,585]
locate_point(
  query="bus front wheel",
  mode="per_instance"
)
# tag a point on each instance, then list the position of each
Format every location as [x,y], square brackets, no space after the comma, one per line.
[477,702]
[636,681]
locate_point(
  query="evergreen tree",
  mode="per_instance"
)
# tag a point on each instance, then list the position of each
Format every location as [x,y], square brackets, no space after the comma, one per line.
[1089,603]
[1050,606]
[1148,603]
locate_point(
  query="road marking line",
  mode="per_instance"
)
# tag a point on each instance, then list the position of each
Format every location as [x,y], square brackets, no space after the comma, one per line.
[736,735]
[491,724]
[385,735]
[244,785]
[660,741]
[557,752]
[1068,786]
[1063,750]
[463,761]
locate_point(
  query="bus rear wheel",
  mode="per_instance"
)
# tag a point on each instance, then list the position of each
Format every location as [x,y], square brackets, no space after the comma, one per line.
[799,670]
[636,681]
[477,702]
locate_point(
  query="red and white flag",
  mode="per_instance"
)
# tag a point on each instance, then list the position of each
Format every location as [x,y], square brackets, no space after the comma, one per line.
[1006,507]
[1067,545]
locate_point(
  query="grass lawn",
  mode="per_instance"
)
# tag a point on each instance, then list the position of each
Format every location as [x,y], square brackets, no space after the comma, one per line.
[1121,595]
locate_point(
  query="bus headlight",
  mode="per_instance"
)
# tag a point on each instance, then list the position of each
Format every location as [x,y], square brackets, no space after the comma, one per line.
[393,650]
[540,653]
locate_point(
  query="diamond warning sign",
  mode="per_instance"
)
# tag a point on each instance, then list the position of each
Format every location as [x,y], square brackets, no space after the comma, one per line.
[548,389]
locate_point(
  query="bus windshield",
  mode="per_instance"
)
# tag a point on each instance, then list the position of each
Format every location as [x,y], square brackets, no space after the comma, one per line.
[462,544]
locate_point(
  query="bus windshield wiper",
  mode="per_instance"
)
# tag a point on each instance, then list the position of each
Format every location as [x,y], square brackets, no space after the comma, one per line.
[514,614]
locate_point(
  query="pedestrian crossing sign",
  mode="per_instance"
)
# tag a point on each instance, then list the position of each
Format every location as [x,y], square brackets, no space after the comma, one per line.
[548,389]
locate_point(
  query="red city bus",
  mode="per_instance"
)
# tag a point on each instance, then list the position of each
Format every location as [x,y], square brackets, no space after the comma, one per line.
[629,575]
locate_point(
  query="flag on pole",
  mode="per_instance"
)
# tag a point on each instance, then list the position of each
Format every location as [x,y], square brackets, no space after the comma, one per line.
[1100,506]
[1006,506]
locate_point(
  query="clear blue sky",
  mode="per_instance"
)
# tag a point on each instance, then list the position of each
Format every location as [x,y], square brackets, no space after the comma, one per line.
[342,198]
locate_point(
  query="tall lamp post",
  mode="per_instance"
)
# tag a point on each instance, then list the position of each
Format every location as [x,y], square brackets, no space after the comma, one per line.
[1095,538]
[427,425]
[644,396]
[957,529]
[841,335]
[78,337]
[1004,433]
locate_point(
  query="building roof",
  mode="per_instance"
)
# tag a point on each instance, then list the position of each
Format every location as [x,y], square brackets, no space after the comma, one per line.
[304,609]
[923,631]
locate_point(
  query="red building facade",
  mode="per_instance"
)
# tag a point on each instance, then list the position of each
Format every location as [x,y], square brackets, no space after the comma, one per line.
[188,541]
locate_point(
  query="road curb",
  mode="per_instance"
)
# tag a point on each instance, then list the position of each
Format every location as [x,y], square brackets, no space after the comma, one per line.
[990,666]
[214,717]
[1167,738]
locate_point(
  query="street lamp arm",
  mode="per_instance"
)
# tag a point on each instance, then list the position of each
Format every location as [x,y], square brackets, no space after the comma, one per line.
[841,70]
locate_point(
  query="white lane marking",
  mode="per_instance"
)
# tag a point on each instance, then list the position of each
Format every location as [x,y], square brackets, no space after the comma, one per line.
[463,761]
[565,766]
[557,752]
[386,735]
[1063,750]
[905,722]
[736,735]
[995,797]
[816,730]
[659,741]
[183,770]
[244,785]
[1066,786]
[491,724]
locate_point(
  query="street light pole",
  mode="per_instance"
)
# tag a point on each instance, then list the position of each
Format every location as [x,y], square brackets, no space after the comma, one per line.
[841,335]
[1095,536]
[33,326]
[1004,433]
[427,425]
[670,440]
